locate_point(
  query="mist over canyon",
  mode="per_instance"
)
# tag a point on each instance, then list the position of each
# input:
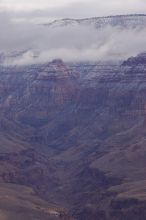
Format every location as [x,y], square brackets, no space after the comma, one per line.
[93,39]
[72,117]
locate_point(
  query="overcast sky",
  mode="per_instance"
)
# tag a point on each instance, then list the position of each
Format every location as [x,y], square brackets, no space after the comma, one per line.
[73,8]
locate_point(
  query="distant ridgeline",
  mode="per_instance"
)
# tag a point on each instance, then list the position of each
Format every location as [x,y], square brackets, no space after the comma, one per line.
[126,21]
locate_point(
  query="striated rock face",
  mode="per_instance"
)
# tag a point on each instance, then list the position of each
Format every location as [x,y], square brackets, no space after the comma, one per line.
[46,90]
[139,63]
[78,141]
[58,82]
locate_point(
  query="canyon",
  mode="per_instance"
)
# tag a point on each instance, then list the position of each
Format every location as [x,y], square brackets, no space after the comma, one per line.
[73,141]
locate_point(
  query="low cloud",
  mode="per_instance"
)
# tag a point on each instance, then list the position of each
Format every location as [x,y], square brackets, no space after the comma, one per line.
[71,43]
